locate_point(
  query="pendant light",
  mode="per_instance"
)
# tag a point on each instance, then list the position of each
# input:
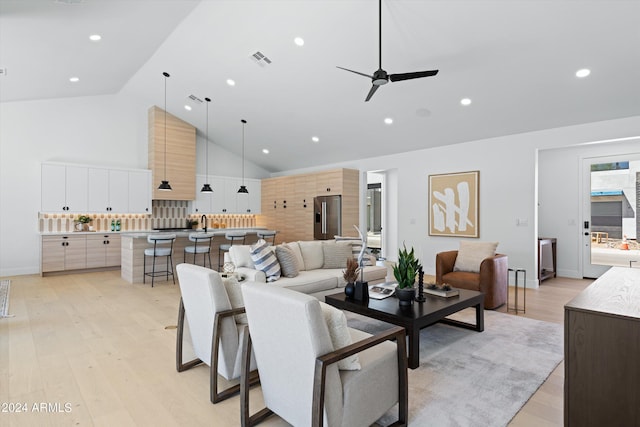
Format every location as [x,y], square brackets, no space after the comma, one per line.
[243,188]
[164,186]
[206,188]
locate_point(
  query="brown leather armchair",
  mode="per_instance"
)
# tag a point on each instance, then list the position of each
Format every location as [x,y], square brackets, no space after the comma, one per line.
[492,279]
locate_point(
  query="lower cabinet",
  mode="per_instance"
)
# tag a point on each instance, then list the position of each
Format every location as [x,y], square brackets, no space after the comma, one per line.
[79,251]
[103,250]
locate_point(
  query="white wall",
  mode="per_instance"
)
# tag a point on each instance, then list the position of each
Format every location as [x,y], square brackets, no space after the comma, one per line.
[508,189]
[99,130]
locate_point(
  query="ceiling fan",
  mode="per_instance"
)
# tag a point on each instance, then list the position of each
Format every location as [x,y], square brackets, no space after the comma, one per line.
[380,77]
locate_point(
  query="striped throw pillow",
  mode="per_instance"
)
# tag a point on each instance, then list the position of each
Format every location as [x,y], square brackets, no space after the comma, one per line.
[265,260]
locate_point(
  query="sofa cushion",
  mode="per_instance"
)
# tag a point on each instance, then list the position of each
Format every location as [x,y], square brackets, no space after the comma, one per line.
[312,281]
[265,260]
[340,335]
[312,254]
[335,256]
[287,260]
[471,255]
[241,256]
[356,247]
[462,279]
[296,251]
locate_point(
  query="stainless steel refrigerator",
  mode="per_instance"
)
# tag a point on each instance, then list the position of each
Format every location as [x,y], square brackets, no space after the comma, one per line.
[327,217]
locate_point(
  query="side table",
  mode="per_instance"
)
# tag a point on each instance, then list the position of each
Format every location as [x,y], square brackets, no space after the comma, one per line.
[517,273]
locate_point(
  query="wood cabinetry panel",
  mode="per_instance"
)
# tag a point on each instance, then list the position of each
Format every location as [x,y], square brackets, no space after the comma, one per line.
[295,221]
[180,155]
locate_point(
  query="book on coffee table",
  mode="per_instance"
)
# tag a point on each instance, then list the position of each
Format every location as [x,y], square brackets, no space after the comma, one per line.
[382,290]
[441,292]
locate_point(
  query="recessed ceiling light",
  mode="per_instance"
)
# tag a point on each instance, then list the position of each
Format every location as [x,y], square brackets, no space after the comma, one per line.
[584,72]
[187,107]
[315,139]
[95,37]
[231,82]
[299,41]
[465,101]
[265,151]
[74,79]
[388,120]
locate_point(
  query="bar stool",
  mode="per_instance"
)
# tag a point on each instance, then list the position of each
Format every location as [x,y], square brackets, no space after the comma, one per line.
[266,235]
[234,237]
[205,247]
[159,249]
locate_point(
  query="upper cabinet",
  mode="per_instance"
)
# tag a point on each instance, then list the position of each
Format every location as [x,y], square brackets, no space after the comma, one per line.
[173,159]
[225,198]
[64,188]
[108,190]
[94,189]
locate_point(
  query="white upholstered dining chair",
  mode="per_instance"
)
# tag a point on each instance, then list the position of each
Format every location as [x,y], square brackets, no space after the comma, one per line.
[298,364]
[206,309]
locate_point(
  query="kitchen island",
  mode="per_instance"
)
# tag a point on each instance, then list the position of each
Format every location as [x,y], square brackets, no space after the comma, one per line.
[134,243]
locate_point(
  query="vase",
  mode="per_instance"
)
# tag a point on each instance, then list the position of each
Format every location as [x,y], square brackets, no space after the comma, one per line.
[406,296]
[350,289]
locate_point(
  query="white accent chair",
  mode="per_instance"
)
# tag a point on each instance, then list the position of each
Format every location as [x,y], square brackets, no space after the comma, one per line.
[204,248]
[297,363]
[159,249]
[216,337]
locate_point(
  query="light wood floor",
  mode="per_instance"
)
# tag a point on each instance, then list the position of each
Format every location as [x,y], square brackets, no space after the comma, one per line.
[99,351]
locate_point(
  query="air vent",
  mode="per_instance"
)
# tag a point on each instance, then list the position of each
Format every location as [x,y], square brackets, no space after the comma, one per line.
[260,59]
[195,99]
[68,1]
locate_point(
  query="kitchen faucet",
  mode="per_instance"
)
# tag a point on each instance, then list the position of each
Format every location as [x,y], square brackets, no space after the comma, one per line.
[203,222]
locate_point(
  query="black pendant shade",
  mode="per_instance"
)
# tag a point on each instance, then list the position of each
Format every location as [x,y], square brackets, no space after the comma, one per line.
[206,188]
[164,186]
[243,188]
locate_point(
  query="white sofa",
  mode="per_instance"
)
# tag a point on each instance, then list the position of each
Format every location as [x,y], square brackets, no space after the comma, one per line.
[312,279]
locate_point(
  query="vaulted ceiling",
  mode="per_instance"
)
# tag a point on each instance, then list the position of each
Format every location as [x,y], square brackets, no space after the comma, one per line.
[515,60]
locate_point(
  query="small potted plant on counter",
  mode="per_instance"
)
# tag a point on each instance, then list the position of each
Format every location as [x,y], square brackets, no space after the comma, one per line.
[405,272]
[82,222]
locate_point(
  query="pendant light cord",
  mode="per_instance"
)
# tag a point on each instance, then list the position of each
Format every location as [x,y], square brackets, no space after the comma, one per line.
[165,124]
[244,122]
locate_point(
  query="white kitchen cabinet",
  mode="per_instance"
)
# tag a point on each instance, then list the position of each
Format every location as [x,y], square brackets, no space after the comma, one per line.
[249,203]
[225,198]
[139,191]
[64,188]
[108,190]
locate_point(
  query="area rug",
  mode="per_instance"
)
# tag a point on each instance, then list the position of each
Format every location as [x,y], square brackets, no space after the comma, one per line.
[469,378]
[4,298]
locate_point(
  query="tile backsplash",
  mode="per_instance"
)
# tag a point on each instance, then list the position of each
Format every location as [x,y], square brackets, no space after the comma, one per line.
[166,214]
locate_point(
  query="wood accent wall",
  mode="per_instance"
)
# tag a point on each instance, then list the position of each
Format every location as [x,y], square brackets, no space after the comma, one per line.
[181,156]
[287,202]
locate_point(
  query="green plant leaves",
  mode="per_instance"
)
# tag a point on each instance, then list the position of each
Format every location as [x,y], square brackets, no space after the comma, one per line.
[406,268]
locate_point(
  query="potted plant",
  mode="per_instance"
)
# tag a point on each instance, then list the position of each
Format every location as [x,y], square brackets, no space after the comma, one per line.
[82,221]
[350,276]
[405,272]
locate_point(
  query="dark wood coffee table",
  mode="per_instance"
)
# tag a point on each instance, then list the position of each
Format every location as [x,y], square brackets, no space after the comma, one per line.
[417,316]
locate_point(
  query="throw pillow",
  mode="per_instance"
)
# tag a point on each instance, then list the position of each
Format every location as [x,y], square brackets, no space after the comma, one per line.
[287,260]
[356,247]
[295,248]
[312,254]
[340,337]
[234,292]
[471,255]
[265,260]
[335,256]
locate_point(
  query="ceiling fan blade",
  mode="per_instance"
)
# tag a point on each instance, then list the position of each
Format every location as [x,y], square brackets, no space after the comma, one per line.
[356,72]
[409,76]
[373,90]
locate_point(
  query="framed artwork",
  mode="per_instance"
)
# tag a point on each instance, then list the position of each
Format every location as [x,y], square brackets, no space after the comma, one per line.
[453,204]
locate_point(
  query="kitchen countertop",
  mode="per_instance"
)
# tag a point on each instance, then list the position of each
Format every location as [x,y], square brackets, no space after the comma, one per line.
[185,233]
[60,233]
